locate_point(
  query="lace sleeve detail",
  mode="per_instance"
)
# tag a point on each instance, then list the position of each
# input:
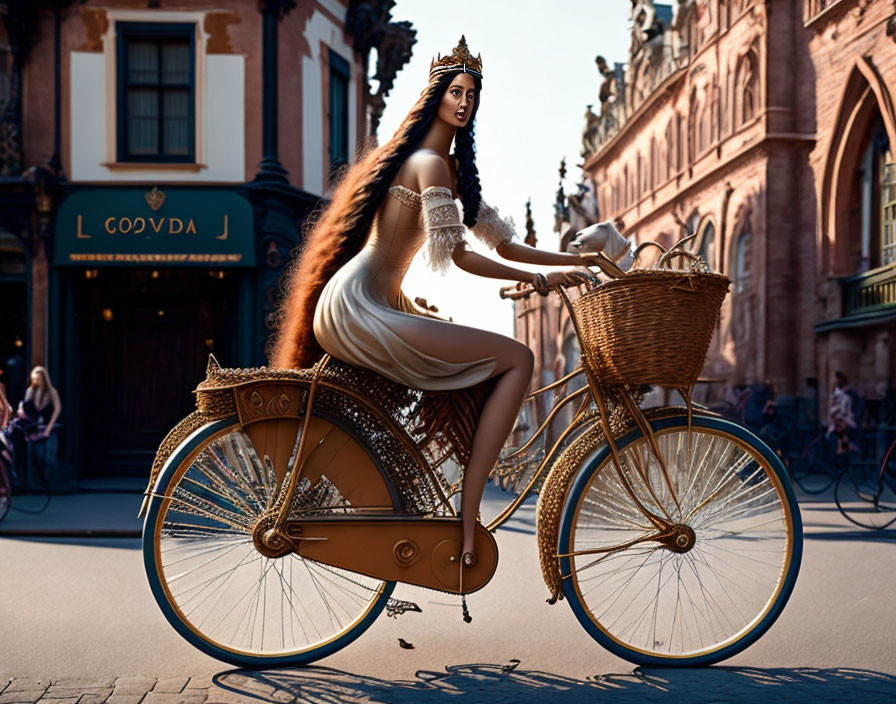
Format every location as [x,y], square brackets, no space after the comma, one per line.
[491,229]
[442,224]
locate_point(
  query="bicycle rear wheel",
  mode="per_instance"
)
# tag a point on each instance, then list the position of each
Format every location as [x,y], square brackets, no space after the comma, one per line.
[720,589]
[868,503]
[206,574]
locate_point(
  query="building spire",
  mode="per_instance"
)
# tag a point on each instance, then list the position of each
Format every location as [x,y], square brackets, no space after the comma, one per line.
[530,224]
[561,208]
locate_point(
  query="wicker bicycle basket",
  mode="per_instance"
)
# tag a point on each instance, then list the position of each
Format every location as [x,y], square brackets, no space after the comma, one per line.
[651,326]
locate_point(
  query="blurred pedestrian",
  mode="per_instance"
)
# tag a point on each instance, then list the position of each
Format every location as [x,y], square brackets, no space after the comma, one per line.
[756,404]
[5,408]
[844,410]
[734,398]
[35,418]
[6,455]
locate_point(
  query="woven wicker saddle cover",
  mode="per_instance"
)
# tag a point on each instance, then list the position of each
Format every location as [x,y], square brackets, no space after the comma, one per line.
[438,424]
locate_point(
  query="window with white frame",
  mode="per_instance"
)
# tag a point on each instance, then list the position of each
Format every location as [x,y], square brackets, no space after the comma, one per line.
[156,92]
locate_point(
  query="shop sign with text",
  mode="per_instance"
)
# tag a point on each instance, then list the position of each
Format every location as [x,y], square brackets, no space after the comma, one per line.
[168,226]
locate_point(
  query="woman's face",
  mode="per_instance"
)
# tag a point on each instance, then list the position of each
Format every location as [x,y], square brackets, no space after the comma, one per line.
[36,379]
[458,101]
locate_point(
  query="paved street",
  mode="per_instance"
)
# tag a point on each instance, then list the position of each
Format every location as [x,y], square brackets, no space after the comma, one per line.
[78,624]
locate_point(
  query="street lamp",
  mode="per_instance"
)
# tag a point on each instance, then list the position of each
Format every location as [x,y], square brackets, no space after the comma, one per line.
[46,189]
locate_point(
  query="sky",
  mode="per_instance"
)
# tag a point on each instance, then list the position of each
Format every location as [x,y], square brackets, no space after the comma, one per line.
[538,76]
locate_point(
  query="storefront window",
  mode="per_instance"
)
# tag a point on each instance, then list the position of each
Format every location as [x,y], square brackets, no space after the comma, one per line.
[156,92]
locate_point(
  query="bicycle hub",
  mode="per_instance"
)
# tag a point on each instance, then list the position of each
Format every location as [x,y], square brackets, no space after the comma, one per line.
[680,538]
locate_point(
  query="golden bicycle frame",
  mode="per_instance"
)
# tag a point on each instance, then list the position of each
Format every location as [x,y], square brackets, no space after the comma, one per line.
[270,465]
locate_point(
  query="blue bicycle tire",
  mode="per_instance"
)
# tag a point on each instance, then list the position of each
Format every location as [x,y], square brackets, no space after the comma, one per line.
[191,446]
[601,460]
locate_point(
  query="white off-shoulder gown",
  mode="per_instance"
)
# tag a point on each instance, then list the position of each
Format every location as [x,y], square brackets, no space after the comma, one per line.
[358,320]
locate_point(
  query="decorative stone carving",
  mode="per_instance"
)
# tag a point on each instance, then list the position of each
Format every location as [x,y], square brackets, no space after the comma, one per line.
[657,50]
[368,21]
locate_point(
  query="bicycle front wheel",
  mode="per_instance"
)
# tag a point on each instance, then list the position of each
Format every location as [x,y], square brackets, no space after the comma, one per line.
[710,587]
[212,584]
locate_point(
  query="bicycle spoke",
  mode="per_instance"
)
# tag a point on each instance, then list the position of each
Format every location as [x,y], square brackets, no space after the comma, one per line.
[656,600]
[222,585]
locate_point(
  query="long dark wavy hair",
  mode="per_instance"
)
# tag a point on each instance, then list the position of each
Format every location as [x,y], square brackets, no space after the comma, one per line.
[340,230]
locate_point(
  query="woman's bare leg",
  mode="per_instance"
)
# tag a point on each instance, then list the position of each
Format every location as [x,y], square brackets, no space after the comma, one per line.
[495,423]
[514,362]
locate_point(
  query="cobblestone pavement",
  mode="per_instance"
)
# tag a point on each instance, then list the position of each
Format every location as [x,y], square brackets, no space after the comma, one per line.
[509,682]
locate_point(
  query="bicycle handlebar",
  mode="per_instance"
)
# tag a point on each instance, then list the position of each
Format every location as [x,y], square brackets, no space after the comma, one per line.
[601,261]
[514,293]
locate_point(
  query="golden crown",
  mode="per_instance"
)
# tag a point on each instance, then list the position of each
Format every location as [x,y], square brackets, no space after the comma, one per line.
[460,58]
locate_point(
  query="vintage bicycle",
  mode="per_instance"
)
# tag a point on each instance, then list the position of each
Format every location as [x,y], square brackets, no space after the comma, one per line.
[5,484]
[282,512]
[7,463]
[869,502]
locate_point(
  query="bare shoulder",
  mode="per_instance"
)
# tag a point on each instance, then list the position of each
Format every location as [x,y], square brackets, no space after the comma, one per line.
[428,168]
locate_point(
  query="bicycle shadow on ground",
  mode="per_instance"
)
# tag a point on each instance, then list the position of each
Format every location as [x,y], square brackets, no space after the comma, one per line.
[482,682]
[888,535]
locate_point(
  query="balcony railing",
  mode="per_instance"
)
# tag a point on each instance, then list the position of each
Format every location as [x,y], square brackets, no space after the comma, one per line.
[869,292]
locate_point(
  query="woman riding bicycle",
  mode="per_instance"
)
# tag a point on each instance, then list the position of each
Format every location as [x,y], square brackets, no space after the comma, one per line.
[344,291]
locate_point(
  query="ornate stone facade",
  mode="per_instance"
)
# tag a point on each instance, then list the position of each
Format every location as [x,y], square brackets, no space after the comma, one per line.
[766,129]
[242,110]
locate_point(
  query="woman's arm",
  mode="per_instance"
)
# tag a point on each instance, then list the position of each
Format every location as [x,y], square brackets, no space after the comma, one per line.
[498,233]
[445,231]
[516,252]
[474,263]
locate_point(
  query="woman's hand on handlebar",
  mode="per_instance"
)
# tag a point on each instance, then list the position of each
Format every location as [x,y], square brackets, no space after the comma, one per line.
[544,284]
[569,277]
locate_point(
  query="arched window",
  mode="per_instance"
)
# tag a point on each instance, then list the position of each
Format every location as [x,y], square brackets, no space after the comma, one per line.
[708,244]
[693,223]
[680,144]
[692,127]
[626,198]
[743,262]
[888,212]
[670,147]
[702,131]
[746,96]
[874,200]
[644,184]
[639,176]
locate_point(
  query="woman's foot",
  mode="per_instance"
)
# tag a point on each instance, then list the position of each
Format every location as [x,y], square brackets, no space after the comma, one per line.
[467,561]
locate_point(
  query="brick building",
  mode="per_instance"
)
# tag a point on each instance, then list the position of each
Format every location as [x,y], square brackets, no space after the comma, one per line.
[766,128]
[157,160]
